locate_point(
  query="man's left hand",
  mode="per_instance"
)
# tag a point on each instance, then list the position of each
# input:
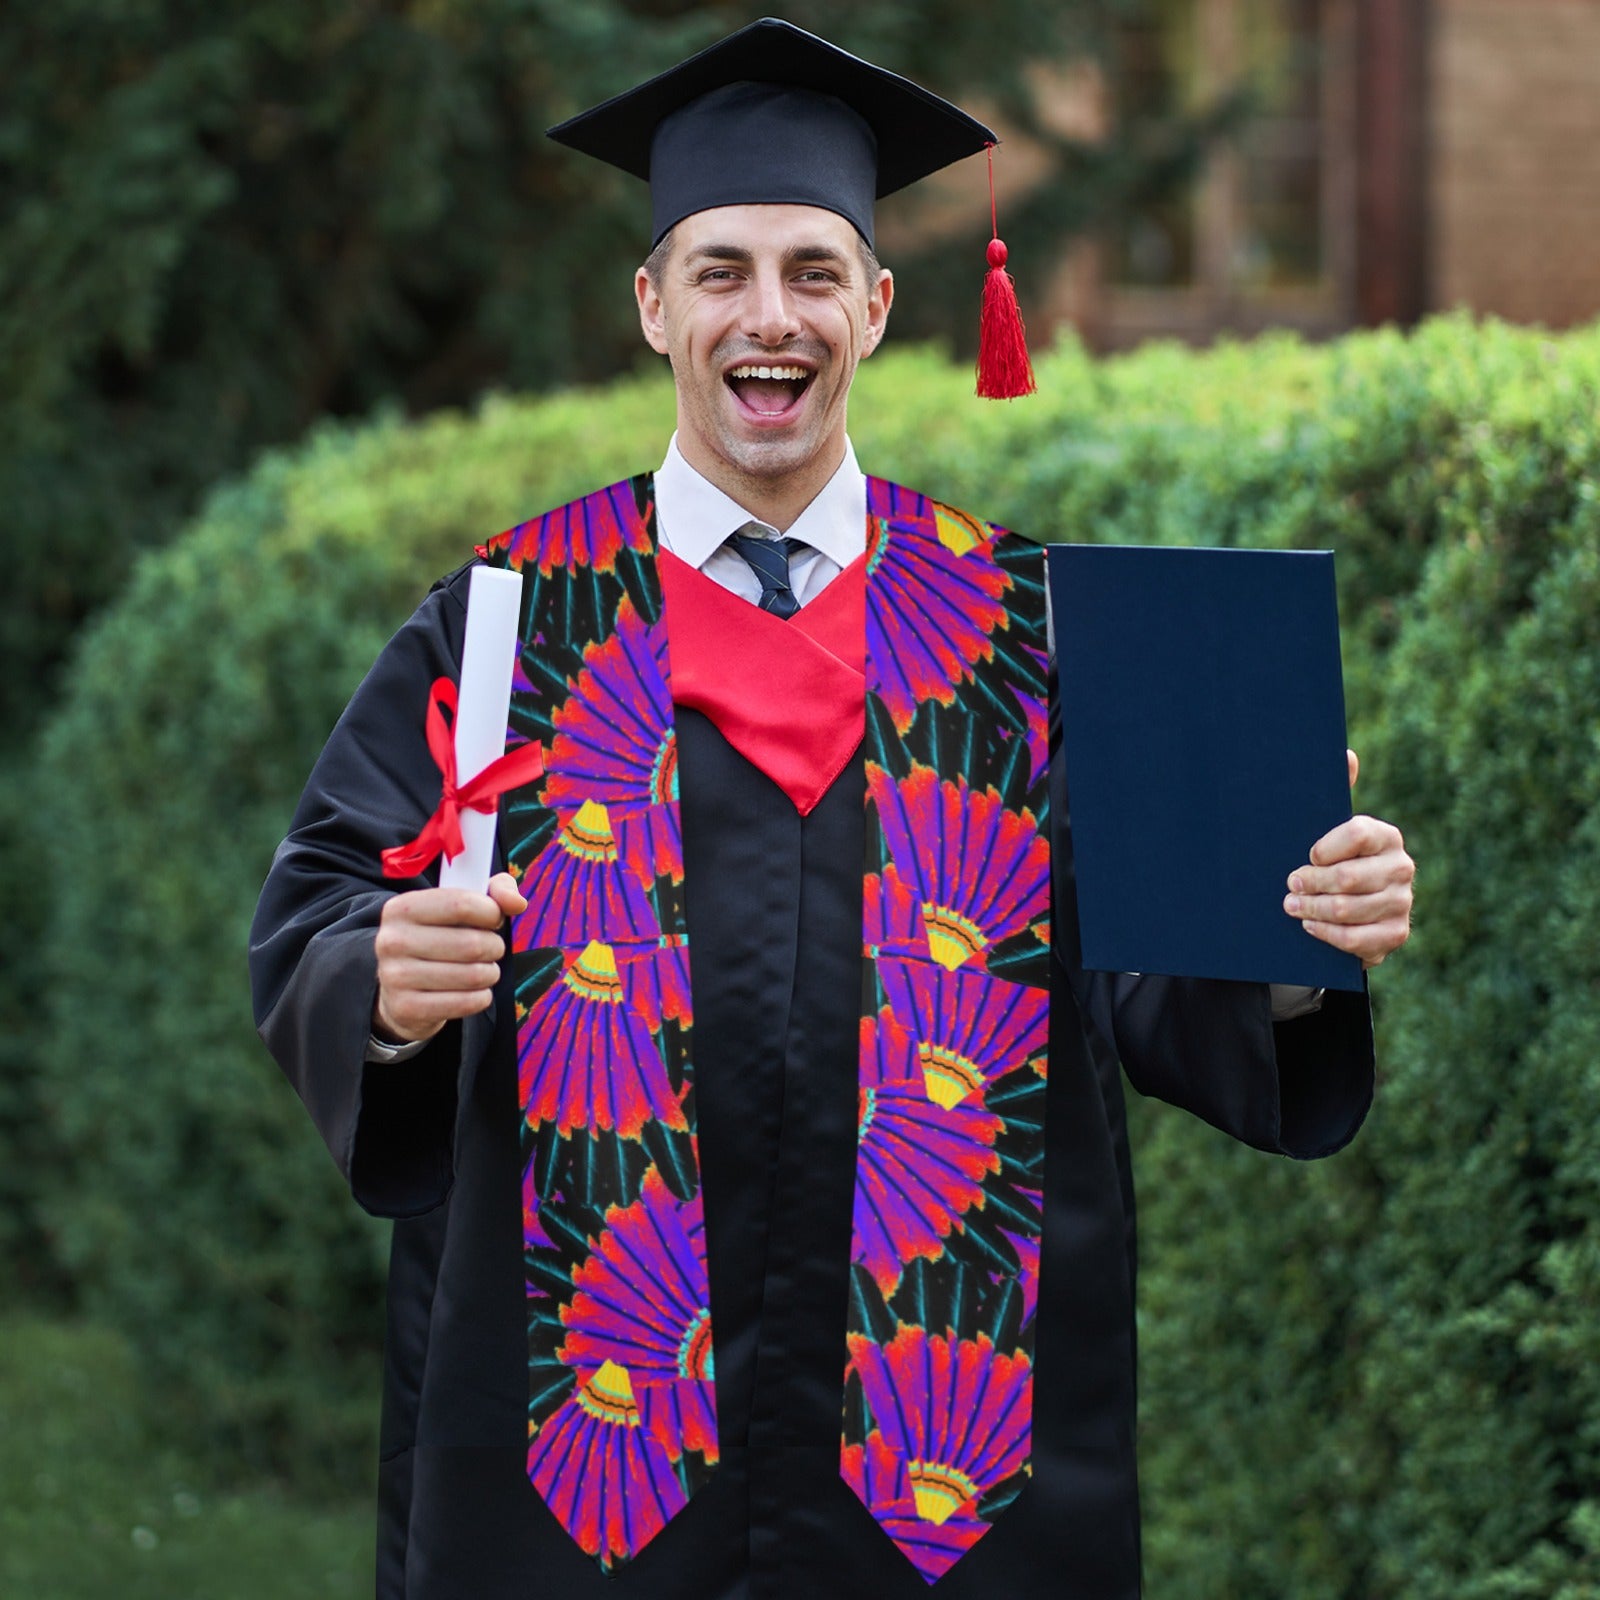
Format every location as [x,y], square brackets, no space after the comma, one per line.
[1355,892]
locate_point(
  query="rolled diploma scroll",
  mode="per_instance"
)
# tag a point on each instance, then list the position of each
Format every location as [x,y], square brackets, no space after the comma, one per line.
[494,599]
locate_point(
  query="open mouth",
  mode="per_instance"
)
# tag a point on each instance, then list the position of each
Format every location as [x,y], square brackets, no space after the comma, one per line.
[769,391]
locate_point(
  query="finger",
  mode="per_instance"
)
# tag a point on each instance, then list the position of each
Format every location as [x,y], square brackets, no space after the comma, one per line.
[406,974]
[415,1016]
[446,908]
[1360,836]
[1371,942]
[1357,875]
[1391,902]
[1353,761]
[426,941]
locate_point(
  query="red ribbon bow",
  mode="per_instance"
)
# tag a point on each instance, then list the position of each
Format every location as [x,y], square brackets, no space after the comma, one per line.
[442,831]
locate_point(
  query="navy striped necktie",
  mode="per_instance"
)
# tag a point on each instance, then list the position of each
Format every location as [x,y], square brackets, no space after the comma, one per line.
[769,560]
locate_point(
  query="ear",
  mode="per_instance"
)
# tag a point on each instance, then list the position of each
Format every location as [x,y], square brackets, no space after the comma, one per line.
[652,315]
[879,300]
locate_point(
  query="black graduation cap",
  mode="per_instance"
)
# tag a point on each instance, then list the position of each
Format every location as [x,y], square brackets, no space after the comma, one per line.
[774,115]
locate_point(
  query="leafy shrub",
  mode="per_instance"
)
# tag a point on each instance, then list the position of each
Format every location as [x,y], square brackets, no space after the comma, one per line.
[1376,1378]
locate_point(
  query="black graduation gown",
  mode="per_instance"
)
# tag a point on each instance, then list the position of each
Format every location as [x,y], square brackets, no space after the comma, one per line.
[774,909]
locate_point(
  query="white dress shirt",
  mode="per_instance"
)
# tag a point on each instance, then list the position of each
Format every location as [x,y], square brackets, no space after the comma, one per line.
[693,520]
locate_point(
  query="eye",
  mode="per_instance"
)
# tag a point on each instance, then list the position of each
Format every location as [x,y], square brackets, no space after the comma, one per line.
[718,275]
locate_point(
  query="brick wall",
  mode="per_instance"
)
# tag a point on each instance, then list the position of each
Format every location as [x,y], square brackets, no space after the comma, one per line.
[1514,178]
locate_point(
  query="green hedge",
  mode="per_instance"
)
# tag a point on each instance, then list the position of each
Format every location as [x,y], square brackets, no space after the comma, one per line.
[1371,1378]
[1378,1377]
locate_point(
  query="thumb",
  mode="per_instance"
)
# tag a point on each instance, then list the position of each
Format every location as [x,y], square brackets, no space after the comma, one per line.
[1354,762]
[504,892]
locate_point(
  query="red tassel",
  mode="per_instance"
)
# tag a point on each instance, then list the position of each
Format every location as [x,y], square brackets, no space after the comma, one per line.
[1004,370]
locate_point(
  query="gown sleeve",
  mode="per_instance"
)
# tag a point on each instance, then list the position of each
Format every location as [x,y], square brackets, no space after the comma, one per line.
[1299,1088]
[313,966]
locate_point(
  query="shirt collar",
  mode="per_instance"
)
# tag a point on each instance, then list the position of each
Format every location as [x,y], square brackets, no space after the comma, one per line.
[694,517]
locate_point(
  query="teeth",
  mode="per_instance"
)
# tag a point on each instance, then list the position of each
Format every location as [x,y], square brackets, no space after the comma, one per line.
[798,374]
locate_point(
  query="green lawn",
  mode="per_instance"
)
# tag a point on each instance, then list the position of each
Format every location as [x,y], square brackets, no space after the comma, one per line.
[90,1507]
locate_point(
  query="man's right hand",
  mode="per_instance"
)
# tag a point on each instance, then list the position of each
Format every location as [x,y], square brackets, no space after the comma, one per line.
[438,957]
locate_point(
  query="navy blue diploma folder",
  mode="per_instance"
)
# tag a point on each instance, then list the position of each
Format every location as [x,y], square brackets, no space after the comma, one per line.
[1202,717]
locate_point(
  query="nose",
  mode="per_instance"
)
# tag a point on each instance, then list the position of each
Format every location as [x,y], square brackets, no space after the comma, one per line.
[771,316]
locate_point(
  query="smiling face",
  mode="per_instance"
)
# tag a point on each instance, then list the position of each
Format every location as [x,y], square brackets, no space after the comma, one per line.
[764,311]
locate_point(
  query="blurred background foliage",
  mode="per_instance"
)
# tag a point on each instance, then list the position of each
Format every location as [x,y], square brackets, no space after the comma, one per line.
[257,267]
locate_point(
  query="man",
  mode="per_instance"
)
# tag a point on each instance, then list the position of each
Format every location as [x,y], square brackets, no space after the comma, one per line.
[807,1115]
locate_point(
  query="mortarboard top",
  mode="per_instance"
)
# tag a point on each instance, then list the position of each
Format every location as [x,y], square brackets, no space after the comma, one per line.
[774,115]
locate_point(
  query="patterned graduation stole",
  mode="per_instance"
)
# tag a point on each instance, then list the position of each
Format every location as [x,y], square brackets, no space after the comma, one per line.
[937,1363]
